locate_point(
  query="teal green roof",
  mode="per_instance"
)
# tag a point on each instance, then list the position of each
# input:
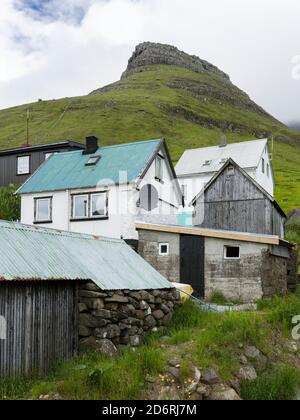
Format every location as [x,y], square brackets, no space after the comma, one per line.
[69,171]
[34,253]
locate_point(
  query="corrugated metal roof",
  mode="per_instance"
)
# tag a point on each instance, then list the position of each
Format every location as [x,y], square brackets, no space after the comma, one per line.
[211,159]
[34,253]
[69,171]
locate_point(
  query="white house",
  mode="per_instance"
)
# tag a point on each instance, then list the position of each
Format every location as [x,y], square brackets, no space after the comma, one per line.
[103,190]
[196,167]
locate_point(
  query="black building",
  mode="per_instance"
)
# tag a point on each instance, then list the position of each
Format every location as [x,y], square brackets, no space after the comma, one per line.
[17,165]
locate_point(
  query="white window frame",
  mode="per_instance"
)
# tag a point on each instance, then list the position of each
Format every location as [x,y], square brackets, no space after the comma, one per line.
[74,197]
[159,168]
[23,171]
[163,254]
[37,200]
[89,210]
[232,258]
[105,205]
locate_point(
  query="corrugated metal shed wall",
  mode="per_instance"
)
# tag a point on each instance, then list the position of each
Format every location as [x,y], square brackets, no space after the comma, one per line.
[28,253]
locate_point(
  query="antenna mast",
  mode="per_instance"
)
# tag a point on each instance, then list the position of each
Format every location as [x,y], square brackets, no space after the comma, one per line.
[27,127]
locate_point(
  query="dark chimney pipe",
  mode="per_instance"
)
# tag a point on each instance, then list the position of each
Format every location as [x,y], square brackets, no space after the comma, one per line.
[91,145]
[223,142]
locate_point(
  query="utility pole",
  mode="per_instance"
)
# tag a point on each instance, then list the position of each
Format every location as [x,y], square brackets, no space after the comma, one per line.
[27,127]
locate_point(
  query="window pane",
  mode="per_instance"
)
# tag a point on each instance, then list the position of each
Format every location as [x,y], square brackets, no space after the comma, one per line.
[98,205]
[43,209]
[80,203]
[232,252]
[23,165]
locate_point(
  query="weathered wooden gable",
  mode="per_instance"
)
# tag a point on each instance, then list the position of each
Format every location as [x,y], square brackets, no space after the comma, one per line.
[233,201]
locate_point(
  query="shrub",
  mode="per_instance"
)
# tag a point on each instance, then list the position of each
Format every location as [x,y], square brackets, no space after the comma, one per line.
[281,310]
[10,204]
[281,384]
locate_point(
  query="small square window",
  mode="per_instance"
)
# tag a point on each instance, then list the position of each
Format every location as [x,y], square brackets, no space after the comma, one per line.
[43,210]
[232,252]
[93,161]
[163,249]
[230,171]
[23,165]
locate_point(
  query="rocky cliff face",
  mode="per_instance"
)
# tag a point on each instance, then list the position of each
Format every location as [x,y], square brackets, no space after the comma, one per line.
[149,53]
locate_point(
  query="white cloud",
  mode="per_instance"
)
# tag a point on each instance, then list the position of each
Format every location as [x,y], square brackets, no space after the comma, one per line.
[75,46]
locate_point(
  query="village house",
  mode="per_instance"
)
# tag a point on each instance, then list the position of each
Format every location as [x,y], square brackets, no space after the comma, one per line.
[18,164]
[196,167]
[61,290]
[103,190]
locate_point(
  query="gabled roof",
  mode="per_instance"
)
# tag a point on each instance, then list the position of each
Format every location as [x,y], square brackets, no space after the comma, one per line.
[40,147]
[69,171]
[211,159]
[258,186]
[32,253]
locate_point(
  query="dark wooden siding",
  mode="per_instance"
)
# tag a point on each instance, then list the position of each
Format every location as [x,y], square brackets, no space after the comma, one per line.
[8,164]
[42,326]
[233,202]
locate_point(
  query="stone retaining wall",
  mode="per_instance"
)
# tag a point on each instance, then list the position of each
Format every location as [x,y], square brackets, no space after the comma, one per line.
[123,316]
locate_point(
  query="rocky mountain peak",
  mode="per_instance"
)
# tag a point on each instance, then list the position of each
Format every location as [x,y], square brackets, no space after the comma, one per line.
[149,53]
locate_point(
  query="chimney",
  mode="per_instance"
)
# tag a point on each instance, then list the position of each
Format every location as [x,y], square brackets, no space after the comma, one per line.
[91,145]
[223,142]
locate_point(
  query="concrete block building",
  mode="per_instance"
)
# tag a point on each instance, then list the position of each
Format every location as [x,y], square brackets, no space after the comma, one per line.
[245,267]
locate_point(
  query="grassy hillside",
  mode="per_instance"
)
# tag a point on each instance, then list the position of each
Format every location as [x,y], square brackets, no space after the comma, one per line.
[189,109]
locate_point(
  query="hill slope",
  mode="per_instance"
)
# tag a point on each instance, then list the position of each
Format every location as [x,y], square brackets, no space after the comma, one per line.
[167,93]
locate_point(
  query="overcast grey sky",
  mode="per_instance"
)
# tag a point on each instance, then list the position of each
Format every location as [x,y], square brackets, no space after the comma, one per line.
[53,48]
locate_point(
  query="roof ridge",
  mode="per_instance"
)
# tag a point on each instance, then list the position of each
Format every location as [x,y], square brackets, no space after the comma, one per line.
[229,144]
[110,147]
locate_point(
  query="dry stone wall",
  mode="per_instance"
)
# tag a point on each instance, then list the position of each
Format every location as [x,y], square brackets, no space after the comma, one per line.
[124,316]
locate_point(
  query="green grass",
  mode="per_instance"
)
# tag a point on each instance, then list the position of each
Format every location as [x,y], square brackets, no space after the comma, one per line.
[199,338]
[154,104]
[93,376]
[279,385]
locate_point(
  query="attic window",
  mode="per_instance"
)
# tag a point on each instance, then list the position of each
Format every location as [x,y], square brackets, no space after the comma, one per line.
[207,163]
[230,171]
[93,161]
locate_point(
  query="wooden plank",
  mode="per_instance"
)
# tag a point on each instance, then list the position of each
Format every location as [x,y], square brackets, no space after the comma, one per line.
[42,325]
[270,240]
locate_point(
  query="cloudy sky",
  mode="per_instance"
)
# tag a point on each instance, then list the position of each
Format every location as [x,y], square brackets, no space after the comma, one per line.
[57,48]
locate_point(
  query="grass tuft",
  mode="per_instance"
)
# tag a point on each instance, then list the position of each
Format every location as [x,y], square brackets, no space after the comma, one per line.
[280,385]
